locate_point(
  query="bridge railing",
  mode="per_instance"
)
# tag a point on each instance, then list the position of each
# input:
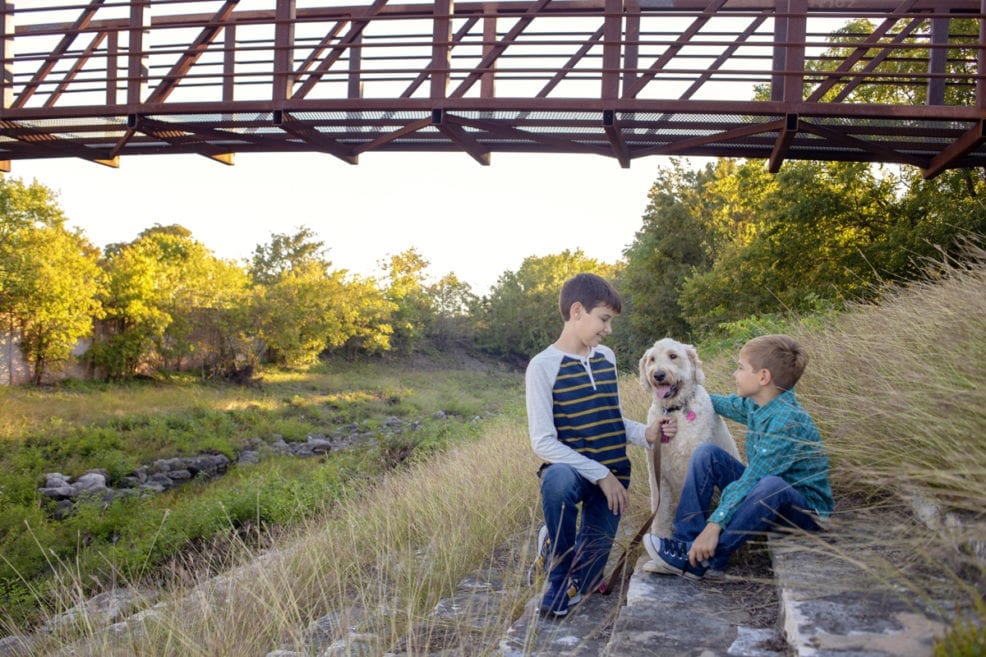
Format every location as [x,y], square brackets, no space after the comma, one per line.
[106,54]
[873,80]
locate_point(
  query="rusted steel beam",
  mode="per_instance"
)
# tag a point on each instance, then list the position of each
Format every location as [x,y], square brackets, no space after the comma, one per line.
[679,43]
[651,69]
[317,140]
[441,49]
[861,51]
[447,125]
[725,136]
[884,154]
[426,73]
[785,137]
[615,136]
[76,68]
[407,129]
[958,149]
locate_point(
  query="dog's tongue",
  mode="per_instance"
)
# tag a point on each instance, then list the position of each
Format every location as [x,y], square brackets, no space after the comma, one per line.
[663,391]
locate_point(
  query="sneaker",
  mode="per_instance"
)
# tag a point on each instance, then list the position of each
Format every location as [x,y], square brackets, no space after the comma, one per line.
[541,559]
[556,601]
[670,557]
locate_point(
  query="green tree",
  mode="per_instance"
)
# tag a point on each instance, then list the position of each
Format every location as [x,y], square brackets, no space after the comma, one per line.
[301,307]
[367,313]
[407,289]
[283,253]
[298,315]
[169,302]
[49,278]
[58,292]
[799,249]
[673,243]
[521,315]
[454,303]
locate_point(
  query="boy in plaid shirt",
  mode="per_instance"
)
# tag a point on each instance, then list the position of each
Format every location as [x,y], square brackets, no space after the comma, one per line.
[785,483]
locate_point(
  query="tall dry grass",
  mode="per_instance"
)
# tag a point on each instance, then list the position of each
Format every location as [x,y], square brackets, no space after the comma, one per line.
[897,389]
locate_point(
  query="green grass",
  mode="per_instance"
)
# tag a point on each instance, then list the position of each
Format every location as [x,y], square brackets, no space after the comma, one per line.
[79,427]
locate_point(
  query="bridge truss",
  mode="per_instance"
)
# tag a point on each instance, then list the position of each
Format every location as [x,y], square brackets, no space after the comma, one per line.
[901,81]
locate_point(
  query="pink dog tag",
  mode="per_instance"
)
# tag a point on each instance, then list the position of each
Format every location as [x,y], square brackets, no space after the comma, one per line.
[690,416]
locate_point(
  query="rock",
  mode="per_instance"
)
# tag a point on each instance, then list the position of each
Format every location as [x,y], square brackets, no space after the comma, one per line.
[91,482]
[16,646]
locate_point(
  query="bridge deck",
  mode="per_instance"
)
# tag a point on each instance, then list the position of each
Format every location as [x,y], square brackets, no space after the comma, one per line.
[856,80]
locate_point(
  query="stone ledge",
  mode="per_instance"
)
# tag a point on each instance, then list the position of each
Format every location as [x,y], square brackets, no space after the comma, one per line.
[833,607]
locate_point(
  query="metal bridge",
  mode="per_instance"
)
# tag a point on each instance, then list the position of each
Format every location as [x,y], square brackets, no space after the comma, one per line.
[897,81]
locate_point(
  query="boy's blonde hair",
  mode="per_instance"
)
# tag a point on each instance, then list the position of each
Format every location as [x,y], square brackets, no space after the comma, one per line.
[781,355]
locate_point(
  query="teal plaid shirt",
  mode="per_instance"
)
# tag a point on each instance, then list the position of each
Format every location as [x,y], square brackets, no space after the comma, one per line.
[781,440]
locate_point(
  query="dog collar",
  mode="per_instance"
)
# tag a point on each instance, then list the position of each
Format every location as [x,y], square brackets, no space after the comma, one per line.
[689,415]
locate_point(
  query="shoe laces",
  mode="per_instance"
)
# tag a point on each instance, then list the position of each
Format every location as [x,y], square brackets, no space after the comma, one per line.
[676,549]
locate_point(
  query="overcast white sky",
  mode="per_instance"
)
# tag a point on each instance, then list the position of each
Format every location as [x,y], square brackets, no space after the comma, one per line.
[464,218]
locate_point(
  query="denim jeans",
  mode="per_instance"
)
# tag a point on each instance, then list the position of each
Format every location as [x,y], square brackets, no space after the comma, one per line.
[579,551]
[772,503]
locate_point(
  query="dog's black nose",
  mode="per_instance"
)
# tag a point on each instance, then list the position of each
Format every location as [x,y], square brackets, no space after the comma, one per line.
[659,376]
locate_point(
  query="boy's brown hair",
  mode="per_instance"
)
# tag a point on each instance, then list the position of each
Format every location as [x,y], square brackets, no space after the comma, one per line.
[781,355]
[591,291]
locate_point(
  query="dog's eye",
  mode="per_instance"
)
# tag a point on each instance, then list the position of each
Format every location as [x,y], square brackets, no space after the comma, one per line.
[672,356]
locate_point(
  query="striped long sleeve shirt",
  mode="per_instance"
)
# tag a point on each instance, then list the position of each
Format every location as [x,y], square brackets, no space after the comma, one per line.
[574,414]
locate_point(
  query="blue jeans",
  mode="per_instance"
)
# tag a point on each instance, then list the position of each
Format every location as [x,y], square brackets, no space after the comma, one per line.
[770,504]
[579,551]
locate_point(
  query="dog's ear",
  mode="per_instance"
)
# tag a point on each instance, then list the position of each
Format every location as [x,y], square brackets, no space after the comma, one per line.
[644,379]
[696,363]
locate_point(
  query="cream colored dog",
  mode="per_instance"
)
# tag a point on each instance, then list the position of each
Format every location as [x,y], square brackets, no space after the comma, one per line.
[673,373]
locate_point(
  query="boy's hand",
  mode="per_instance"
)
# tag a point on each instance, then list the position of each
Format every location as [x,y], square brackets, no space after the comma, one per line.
[616,494]
[669,425]
[661,431]
[705,544]
[652,434]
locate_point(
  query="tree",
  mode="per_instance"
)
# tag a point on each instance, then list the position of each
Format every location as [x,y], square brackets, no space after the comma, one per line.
[406,289]
[48,276]
[453,301]
[168,299]
[673,243]
[521,315]
[798,249]
[284,253]
[301,307]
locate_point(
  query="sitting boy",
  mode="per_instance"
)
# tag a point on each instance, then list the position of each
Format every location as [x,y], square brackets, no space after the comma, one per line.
[577,427]
[785,484]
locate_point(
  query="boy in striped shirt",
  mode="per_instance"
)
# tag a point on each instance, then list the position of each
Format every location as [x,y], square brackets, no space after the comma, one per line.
[577,427]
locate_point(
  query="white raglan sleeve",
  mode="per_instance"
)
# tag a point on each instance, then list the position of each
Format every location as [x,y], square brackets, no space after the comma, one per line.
[539,380]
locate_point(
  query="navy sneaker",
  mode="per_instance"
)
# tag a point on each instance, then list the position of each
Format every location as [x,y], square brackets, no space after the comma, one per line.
[670,557]
[541,559]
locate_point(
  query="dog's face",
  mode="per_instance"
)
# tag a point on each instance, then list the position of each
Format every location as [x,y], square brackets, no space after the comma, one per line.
[670,370]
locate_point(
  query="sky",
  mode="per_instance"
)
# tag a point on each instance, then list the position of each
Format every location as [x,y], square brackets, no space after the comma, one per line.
[464,218]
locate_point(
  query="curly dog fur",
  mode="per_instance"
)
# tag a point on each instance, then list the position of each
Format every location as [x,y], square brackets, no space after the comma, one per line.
[672,372]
